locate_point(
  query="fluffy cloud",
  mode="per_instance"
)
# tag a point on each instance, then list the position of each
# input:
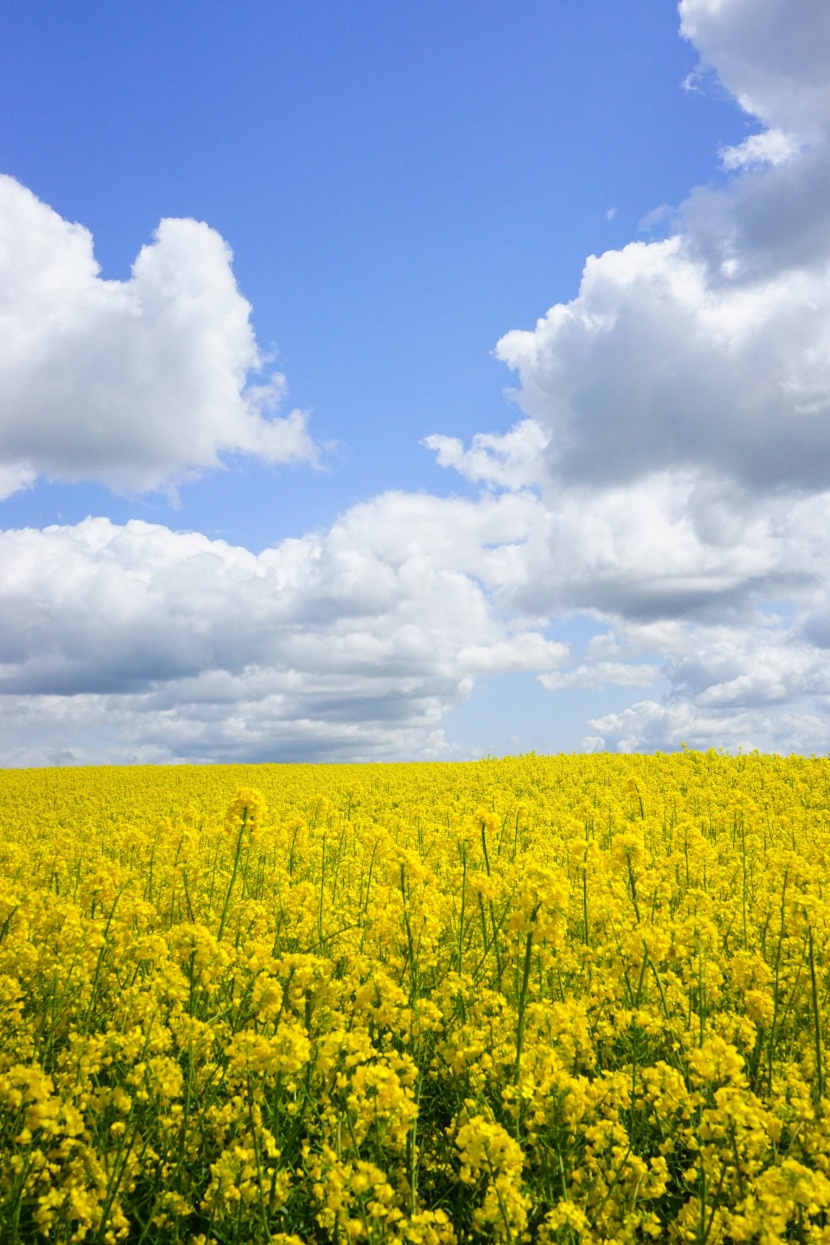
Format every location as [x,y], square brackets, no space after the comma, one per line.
[354,643]
[773,56]
[769,147]
[601,674]
[683,402]
[513,460]
[659,364]
[710,349]
[137,383]
[765,689]
[138,643]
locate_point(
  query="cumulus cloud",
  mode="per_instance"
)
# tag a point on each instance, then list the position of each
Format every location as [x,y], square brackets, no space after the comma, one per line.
[710,349]
[138,643]
[508,460]
[352,643]
[602,673]
[682,401]
[764,686]
[657,365]
[770,147]
[136,384]
[772,55]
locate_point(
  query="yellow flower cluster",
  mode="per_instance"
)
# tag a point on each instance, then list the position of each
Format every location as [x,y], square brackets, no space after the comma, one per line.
[566,999]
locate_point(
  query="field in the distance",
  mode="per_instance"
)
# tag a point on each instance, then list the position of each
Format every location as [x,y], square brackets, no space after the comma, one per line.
[546,999]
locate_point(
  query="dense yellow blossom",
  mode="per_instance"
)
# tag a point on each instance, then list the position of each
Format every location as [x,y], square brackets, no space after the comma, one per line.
[570,999]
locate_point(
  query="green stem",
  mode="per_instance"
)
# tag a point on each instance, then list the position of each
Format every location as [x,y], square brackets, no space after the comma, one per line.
[233,875]
[520,1027]
[816,1019]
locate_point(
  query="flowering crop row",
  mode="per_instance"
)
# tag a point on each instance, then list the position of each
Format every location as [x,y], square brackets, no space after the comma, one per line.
[573,999]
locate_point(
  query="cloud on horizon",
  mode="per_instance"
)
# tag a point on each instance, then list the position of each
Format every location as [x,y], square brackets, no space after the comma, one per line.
[350,644]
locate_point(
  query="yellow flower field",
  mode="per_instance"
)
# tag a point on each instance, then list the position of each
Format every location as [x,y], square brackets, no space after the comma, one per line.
[545,999]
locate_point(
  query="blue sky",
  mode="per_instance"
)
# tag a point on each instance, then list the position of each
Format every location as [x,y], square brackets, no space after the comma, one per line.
[403,186]
[401,183]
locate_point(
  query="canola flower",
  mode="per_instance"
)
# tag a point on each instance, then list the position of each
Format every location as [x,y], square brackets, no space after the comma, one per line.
[567,999]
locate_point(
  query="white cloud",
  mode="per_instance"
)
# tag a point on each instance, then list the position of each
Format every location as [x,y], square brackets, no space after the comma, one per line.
[772,55]
[136,384]
[13,479]
[136,642]
[510,460]
[683,398]
[762,683]
[649,726]
[659,363]
[769,147]
[602,674]
[710,349]
[670,545]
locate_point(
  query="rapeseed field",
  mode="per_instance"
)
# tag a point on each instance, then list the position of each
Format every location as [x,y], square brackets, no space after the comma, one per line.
[573,999]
